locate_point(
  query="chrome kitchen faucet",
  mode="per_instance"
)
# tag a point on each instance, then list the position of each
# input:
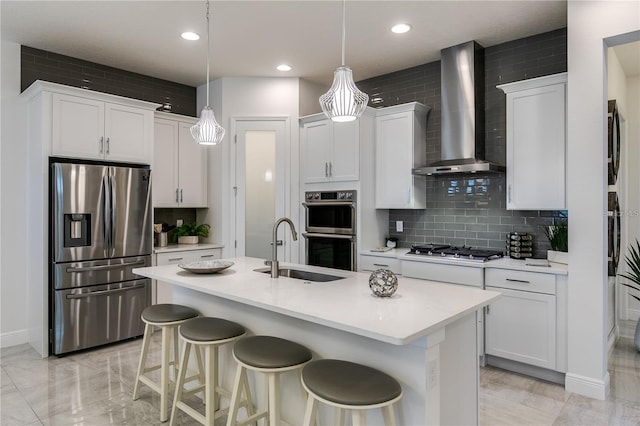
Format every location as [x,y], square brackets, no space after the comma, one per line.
[275,273]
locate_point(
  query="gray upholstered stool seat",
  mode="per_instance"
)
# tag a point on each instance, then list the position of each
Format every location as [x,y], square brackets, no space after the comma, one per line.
[271,356]
[345,384]
[168,312]
[208,333]
[208,329]
[270,352]
[168,317]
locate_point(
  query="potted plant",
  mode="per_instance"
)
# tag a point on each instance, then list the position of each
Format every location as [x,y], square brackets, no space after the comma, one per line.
[633,275]
[558,236]
[190,233]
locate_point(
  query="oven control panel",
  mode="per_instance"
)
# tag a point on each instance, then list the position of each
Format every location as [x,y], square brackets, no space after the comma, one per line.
[347,196]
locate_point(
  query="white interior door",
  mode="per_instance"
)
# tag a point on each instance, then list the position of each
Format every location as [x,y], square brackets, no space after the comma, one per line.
[260,187]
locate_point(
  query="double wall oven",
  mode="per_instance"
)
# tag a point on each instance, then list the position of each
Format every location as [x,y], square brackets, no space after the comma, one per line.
[330,229]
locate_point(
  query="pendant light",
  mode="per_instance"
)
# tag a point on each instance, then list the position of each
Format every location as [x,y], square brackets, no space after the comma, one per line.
[207,131]
[343,101]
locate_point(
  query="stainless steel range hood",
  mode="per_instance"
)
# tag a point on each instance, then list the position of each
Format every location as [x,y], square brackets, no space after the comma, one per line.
[462,120]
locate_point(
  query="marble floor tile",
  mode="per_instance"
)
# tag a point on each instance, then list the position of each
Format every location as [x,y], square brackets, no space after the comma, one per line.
[95,387]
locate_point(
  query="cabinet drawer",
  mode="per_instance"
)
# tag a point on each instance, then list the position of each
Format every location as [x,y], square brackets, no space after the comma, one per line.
[521,280]
[372,263]
[176,257]
[455,274]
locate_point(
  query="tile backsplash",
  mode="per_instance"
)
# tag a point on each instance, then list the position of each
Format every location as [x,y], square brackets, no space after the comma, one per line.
[470,209]
[36,64]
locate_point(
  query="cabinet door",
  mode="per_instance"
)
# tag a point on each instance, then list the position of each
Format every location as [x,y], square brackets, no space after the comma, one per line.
[344,164]
[78,127]
[192,169]
[521,326]
[536,148]
[394,161]
[128,134]
[316,138]
[165,164]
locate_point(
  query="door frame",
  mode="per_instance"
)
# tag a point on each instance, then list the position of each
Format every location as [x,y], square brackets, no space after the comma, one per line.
[290,181]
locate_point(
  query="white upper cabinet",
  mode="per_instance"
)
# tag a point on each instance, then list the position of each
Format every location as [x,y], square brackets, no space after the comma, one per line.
[88,127]
[400,146]
[536,143]
[330,152]
[179,164]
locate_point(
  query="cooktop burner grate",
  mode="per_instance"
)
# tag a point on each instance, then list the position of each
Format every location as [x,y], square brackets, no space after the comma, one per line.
[455,252]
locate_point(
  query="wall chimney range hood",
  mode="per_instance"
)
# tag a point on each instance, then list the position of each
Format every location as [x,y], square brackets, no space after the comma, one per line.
[462,122]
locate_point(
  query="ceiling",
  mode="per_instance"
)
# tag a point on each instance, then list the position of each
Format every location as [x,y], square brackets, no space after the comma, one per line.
[250,38]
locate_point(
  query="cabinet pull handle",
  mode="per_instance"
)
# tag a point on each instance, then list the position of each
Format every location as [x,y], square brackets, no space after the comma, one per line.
[180,194]
[108,146]
[177,195]
[101,143]
[518,281]
[326,169]
[380,264]
[175,259]
[488,309]
[204,256]
[330,169]
[509,194]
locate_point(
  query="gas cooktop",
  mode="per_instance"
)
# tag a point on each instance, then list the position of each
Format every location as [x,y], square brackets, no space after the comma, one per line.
[455,252]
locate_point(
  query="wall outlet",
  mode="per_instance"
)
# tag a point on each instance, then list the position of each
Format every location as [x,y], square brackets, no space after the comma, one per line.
[399,226]
[179,222]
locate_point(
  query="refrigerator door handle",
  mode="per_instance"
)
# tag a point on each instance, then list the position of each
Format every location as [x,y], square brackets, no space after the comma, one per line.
[103,267]
[112,237]
[106,223]
[103,292]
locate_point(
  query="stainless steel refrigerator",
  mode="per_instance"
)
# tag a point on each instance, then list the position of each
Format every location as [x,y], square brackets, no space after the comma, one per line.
[100,222]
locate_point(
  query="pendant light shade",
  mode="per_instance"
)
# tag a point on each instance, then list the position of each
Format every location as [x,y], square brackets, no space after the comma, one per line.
[207,131]
[343,101]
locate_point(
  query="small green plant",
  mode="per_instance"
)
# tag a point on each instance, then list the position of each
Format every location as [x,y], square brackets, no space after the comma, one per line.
[558,235]
[633,262]
[192,229]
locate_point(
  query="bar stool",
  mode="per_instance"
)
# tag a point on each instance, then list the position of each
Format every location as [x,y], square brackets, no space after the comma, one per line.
[167,317]
[347,385]
[210,333]
[271,356]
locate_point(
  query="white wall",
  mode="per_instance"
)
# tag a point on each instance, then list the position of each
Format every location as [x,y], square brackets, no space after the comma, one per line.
[309,97]
[13,146]
[590,23]
[249,97]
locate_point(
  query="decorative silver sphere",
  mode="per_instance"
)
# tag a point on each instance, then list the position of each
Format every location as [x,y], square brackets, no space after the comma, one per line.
[383,283]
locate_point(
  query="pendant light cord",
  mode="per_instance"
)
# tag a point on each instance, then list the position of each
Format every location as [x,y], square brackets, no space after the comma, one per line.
[208,50]
[344,27]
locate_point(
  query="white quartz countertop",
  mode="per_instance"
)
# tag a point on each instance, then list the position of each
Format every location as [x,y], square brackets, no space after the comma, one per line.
[186,247]
[418,307]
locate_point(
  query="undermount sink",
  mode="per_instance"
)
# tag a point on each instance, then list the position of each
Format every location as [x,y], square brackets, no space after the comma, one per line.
[302,275]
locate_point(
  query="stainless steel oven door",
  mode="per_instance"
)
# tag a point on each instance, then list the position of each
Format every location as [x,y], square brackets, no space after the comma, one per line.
[331,251]
[331,217]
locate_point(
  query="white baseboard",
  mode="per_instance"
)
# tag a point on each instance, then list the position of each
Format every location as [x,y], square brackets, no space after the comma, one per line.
[14,338]
[587,386]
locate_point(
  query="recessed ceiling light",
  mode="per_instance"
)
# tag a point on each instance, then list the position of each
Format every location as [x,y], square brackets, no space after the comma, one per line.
[191,36]
[401,28]
[283,67]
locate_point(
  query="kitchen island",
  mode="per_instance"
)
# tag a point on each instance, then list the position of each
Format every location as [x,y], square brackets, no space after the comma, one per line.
[424,335]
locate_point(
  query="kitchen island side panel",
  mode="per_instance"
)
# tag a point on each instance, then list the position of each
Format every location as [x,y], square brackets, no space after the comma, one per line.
[452,383]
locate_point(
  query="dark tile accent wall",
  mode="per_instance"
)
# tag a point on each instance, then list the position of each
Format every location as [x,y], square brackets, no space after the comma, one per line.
[42,65]
[470,209]
[170,216]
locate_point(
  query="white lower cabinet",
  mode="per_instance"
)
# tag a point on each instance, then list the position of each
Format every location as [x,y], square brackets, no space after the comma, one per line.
[522,325]
[372,263]
[163,291]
